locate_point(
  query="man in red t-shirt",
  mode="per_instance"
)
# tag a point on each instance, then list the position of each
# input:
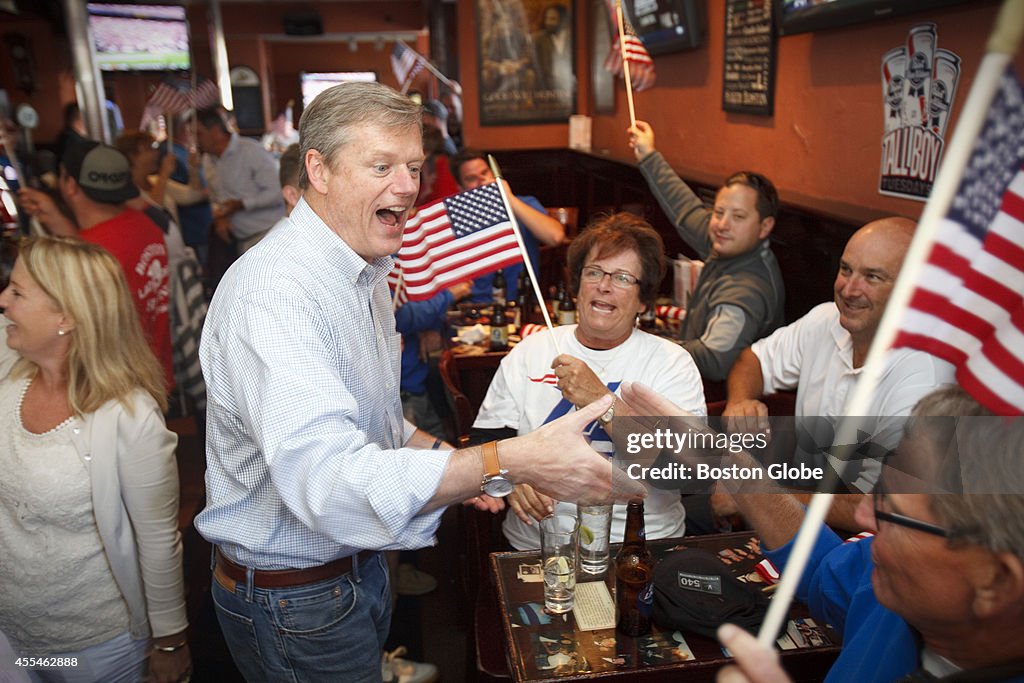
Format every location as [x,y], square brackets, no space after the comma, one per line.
[95,181]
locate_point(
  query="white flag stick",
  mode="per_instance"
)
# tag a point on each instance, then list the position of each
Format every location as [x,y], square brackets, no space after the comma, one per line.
[522,250]
[398,289]
[1002,45]
[625,63]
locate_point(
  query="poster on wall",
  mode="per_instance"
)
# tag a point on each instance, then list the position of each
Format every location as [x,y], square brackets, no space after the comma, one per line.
[918,89]
[526,61]
[748,76]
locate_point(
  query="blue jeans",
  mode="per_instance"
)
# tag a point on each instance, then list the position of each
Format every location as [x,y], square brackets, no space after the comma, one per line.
[333,630]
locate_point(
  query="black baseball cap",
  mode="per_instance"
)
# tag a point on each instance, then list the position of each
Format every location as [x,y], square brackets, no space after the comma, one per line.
[103,173]
[695,591]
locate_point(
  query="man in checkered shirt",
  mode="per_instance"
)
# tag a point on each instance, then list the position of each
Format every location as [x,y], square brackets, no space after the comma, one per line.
[311,468]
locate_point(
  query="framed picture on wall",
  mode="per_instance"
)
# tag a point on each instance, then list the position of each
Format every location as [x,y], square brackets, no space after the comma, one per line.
[526,60]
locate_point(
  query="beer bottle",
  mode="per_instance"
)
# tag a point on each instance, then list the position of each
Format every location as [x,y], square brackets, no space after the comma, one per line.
[499,330]
[556,301]
[634,569]
[524,298]
[512,314]
[566,308]
[649,319]
[498,289]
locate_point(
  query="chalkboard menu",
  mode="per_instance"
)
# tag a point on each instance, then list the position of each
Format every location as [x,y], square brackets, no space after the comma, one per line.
[748,78]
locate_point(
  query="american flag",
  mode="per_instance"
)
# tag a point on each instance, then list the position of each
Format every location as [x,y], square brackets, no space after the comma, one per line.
[406,63]
[453,240]
[641,65]
[206,94]
[167,98]
[171,100]
[969,305]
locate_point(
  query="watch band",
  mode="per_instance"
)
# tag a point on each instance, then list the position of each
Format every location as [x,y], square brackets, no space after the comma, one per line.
[492,466]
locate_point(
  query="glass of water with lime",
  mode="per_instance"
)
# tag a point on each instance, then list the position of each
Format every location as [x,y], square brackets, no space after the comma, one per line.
[595,528]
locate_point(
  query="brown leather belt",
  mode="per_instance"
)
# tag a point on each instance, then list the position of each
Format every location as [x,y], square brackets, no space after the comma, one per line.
[284,578]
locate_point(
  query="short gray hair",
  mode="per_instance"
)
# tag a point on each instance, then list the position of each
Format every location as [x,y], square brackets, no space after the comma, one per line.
[326,123]
[987,466]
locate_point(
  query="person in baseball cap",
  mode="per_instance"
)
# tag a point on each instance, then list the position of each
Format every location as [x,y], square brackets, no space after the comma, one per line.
[103,173]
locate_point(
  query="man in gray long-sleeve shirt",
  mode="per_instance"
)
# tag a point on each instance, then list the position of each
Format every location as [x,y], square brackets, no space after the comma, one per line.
[739,295]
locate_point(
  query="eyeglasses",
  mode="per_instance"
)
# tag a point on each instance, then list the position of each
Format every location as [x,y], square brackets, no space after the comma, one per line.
[593,274]
[880,498]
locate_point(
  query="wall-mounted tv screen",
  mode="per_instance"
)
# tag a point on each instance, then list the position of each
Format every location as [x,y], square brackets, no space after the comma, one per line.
[139,37]
[801,16]
[665,25]
[315,82]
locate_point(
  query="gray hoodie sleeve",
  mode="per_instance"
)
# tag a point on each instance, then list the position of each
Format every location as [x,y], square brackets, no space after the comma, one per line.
[684,208]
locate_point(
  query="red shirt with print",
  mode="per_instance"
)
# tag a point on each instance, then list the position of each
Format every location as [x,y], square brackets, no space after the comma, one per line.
[139,246]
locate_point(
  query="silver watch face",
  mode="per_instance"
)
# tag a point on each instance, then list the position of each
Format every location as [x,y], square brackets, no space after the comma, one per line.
[497,487]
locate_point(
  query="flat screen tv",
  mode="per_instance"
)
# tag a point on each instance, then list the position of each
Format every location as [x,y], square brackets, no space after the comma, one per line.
[801,16]
[315,82]
[139,37]
[665,25]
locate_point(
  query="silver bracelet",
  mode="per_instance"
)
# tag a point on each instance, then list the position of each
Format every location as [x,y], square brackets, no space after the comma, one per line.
[170,648]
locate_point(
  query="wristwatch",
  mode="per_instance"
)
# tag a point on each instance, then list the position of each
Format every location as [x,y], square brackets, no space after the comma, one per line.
[606,419]
[495,483]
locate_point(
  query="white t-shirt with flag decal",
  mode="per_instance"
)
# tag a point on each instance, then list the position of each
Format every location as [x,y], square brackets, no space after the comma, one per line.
[523,396]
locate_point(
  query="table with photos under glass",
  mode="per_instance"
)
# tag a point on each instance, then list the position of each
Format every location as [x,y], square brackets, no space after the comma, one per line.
[543,647]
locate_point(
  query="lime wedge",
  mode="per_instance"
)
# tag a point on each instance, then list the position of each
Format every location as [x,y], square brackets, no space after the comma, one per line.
[586,535]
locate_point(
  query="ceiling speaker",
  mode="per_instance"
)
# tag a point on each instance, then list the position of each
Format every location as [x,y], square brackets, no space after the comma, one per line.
[303,24]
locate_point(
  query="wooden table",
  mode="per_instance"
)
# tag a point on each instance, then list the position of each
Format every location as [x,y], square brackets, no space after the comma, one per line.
[557,651]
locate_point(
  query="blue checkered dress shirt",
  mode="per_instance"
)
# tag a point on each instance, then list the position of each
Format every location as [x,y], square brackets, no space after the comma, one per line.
[305,426]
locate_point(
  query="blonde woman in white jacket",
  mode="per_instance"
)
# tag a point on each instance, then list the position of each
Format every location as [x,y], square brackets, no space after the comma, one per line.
[91,574]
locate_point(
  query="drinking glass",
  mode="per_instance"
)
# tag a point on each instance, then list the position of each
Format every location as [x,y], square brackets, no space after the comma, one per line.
[559,539]
[595,529]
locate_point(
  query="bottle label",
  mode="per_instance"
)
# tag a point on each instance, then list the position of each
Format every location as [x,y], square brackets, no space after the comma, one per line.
[499,337]
[645,599]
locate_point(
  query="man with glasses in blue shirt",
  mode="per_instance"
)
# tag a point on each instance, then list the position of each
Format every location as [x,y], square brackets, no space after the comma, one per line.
[938,589]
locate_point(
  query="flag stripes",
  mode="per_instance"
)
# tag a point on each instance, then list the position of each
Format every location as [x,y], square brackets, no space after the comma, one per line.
[454,240]
[968,307]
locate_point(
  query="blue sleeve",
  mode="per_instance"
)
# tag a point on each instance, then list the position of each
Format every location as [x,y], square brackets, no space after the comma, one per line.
[834,573]
[417,316]
[532,245]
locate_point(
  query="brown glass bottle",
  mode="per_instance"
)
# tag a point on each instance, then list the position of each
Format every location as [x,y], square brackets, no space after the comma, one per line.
[634,569]
[499,330]
[566,308]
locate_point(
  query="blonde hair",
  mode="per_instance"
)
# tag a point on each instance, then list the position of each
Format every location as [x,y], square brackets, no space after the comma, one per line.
[108,358]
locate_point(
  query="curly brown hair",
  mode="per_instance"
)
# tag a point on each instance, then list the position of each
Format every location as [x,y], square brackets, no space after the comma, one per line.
[614,234]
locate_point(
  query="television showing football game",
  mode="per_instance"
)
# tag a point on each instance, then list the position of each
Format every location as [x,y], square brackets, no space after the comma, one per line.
[139,37]
[314,83]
